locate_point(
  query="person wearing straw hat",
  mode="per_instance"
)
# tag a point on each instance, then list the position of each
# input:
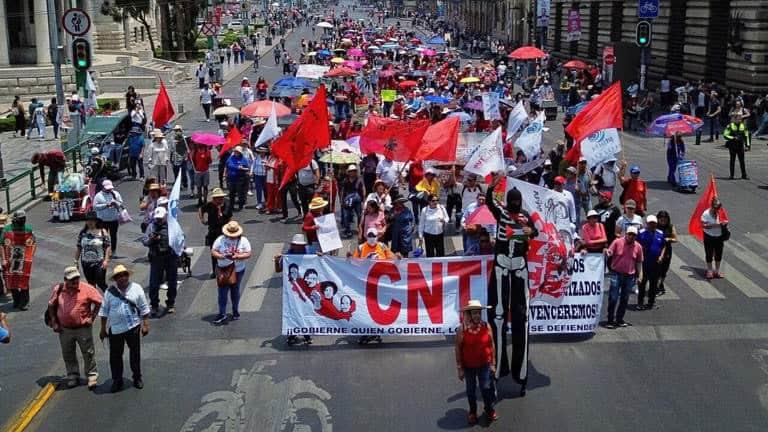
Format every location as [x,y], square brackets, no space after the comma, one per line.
[215,214]
[149,203]
[309,226]
[163,262]
[158,156]
[231,250]
[475,359]
[126,310]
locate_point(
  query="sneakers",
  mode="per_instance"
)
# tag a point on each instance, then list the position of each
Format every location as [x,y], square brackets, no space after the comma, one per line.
[610,325]
[624,324]
[250,193]
[93,381]
[220,319]
[472,419]
[492,416]
[170,310]
[138,383]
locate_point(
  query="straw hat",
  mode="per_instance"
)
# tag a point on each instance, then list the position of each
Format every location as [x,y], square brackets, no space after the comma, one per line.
[474,305]
[119,269]
[157,133]
[218,193]
[154,187]
[177,127]
[317,203]
[232,229]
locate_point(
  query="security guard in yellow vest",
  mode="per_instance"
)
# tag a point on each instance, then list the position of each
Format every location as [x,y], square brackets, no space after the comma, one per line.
[737,137]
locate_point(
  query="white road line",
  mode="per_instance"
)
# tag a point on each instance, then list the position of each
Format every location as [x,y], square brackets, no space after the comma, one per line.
[205,301]
[737,278]
[252,293]
[701,287]
[759,238]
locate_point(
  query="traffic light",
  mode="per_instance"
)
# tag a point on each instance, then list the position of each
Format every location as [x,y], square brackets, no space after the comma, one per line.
[643,34]
[81,54]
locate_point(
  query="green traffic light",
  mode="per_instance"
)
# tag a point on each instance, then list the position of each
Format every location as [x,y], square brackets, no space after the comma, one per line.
[643,40]
[82,63]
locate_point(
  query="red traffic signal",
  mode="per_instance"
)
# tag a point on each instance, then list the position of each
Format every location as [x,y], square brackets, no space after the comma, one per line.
[81,54]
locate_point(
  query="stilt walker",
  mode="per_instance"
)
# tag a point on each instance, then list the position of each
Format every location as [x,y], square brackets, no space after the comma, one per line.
[508,288]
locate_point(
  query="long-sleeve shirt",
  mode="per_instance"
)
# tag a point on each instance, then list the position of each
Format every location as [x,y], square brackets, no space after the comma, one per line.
[432,220]
[101,203]
[510,228]
[159,153]
[432,187]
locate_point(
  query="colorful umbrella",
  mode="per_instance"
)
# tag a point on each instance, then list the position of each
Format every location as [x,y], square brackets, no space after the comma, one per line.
[527,53]
[263,108]
[294,83]
[429,52]
[354,64]
[469,80]
[207,138]
[340,71]
[324,24]
[667,124]
[575,64]
[386,73]
[355,52]
[337,60]
[436,99]
[407,84]
[324,53]
[474,105]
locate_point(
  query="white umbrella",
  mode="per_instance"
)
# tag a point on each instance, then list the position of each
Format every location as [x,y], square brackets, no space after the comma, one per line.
[225,111]
[324,24]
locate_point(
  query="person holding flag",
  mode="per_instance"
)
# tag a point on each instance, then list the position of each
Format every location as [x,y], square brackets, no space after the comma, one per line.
[714,223]
[163,262]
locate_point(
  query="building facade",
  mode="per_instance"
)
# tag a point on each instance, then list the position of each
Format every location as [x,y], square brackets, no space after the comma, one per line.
[503,20]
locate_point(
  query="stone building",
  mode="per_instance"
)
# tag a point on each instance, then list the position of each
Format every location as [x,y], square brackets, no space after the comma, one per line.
[725,41]
[504,20]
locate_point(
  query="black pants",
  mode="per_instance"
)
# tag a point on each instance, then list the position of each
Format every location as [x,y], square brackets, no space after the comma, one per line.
[305,196]
[117,344]
[237,189]
[514,315]
[434,246]
[207,110]
[650,281]
[94,274]
[112,227]
[289,189]
[735,151]
[135,167]
[163,268]
[53,179]
[453,202]
[713,248]
[369,179]
[20,298]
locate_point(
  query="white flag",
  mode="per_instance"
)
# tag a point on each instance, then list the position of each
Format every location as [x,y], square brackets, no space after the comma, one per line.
[530,140]
[176,237]
[517,117]
[487,157]
[271,129]
[600,146]
[491,106]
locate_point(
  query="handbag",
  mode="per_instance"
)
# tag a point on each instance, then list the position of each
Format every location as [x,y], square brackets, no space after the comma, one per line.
[48,315]
[124,217]
[226,275]
[726,233]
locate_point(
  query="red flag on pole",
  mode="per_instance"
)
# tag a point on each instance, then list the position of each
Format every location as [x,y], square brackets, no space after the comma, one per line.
[163,111]
[296,146]
[603,112]
[234,138]
[396,139]
[694,224]
[440,141]
[573,154]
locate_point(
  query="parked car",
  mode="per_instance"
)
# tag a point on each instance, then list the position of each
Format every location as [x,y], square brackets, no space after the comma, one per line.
[235,25]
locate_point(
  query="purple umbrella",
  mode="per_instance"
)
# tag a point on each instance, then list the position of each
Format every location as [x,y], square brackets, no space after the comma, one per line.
[474,105]
[668,124]
[207,138]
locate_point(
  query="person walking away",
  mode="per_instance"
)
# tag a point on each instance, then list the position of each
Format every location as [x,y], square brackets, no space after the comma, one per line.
[670,236]
[136,143]
[163,262]
[308,178]
[19,114]
[626,266]
[215,214]
[713,116]
[737,139]
[237,173]
[653,243]
[402,227]
[230,249]
[72,308]
[352,193]
[200,157]
[714,225]
[675,154]
[206,99]
[158,158]
[126,311]
[33,105]
[54,116]
[180,158]
[39,117]
[432,223]
[19,247]
[108,203]
[634,188]
[475,360]
[93,251]
[56,163]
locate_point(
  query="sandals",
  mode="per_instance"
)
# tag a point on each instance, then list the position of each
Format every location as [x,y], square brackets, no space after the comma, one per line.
[719,275]
[709,275]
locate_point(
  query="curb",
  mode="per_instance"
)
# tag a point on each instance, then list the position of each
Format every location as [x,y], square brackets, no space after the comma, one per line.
[32,409]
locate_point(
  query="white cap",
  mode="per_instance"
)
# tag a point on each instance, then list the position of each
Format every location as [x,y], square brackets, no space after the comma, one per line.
[592,213]
[547,162]
[159,213]
[651,219]
[371,231]
[223,124]
[162,201]
[632,230]
[352,167]
[430,171]
[107,185]
[238,149]
[582,159]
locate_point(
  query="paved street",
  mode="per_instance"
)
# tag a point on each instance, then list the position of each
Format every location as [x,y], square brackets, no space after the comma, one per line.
[698,363]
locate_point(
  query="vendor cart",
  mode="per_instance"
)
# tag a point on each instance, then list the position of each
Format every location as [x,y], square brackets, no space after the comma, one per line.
[73,198]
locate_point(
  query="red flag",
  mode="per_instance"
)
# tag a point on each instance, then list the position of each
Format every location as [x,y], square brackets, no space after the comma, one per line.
[297,145]
[440,141]
[694,224]
[572,155]
[603,112]
[163,111]
[396,139]
[234,138]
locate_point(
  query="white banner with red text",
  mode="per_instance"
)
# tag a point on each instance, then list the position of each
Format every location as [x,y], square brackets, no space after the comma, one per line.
[421,297]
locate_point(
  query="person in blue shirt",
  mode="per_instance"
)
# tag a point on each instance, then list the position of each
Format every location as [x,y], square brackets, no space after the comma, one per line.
[5,331]
[237,173]
[653,243]
[402,227]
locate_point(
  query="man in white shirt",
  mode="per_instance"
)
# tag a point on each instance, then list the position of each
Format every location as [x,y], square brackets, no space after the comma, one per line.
[571,205]
[387,172]
[206,99]
[309,179]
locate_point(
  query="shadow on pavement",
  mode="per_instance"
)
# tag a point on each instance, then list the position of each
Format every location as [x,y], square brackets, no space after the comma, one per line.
[454,419]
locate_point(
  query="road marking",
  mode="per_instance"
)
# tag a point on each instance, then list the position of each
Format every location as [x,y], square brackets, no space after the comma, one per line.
[761,239]
[254,290]
[205,300]
[33,407]
[737,279]
[700,286]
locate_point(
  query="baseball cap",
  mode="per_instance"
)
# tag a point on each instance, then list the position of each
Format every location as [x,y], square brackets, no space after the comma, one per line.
[559,180]
[607,195]
[651,219]
[71,272]
[107,185]
[630,204]
[371,232]
[572,170]
[635,169]
[632,230]
[430,171]
[162,201]
[159,213]
[547,162]
[582,159]
[352,167]
[592,213]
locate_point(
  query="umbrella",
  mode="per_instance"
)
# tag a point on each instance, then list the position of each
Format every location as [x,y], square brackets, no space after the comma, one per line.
[415,41]
[337,60]
[527,53]
[418,73]
[374,48]
[324,53]
[468,80]
[429,52]
[463,117]
[407,83]
[436,40]
[225,111]
[575,64]
[474,105]
[311,54]
[294,83]
[281,92]
[263,108]
[437,99]
[390,46]
[339,50]
[340,71]
[668,124]
[207,138]
[355,52]
[340,157]
[353,64]
[324,24]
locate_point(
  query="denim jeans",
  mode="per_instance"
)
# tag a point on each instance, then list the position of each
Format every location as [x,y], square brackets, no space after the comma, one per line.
[234,294]
[621,288]
[482,377]
[163,268]
[260,187]
[347,214]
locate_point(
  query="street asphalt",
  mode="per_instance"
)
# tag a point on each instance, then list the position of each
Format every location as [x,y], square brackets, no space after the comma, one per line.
[698,363]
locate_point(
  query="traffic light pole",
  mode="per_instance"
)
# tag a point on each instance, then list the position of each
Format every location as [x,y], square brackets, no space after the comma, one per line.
[53,35]
[643,66]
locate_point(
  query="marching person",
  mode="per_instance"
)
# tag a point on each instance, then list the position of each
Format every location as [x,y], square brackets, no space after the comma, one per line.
[626,267]
[352,193]
[559,183]
[607,213]
[737,139]
[231,250]
[309,226]
[158,157]
[475,360]
[72,308]
[308,180]
[508,286]
[628,219]
[94,250]
[126,310]
[634,188]
[402,227]
[201,160]
[653,243]
[432,223]
[19,247]
[670,236]
[215,214]
[237,173]
[713,223]
[163,262]
[179,158]
[593,234]
[108,203]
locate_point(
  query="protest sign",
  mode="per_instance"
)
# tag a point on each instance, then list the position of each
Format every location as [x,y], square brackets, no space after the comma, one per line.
[388,95]
[530,140]
[487,157]
[552,206]
[601,146]
[311,71]
[328,233]
[491,106]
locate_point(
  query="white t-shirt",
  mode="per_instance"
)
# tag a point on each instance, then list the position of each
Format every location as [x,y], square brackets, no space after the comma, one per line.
[432,220]
[227,245]
[206,96]
[624,222]
[387,172]
[307,174]
[706,218]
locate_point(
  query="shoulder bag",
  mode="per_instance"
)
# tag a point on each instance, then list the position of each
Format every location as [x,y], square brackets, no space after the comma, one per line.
[116,292]
[49,316]
[227,275]
[726,233]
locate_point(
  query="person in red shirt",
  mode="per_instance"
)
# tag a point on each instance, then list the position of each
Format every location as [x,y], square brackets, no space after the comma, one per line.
[309,227]
[593,234]
[201,162]
[55,161]
[626,269]
[475,359]
[634,188]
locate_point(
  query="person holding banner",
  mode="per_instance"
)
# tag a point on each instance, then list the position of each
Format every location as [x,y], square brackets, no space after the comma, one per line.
[475,360]
[508,287]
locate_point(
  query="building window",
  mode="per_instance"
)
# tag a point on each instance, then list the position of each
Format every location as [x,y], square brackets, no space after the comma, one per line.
[676,38]
[594,28]
[558,26]
[617,19]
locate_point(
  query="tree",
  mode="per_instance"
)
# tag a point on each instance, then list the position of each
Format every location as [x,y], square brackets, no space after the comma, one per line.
[139,10]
